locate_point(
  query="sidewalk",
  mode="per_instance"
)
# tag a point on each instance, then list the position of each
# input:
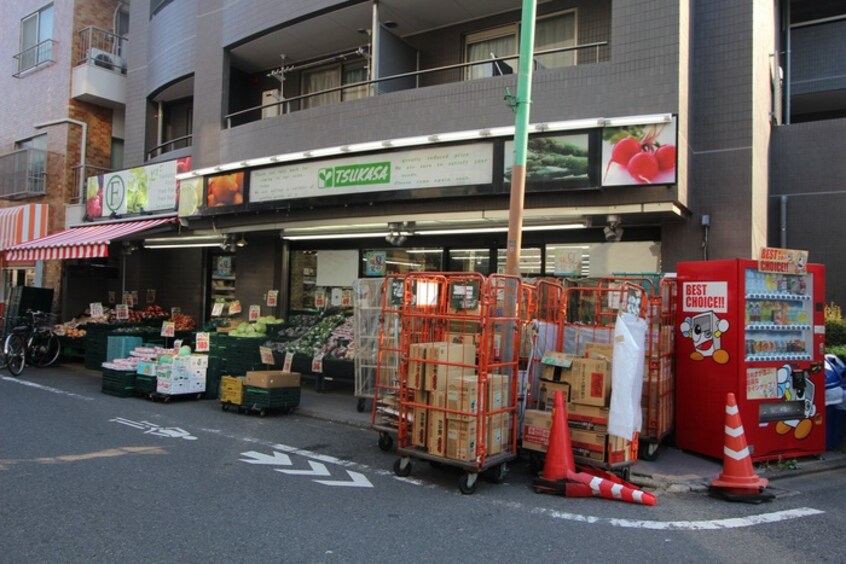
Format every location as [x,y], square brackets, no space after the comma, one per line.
[674,470]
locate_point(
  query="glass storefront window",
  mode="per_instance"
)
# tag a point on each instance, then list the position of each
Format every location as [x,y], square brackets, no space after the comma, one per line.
[470,260]
[530,261]
[381,262]
[303,279]
[567,260]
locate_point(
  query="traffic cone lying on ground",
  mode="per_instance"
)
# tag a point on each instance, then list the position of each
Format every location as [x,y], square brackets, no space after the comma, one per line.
[738,481]
[559,470]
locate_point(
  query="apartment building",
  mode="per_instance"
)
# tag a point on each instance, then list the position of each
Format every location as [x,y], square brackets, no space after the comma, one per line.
[316,142]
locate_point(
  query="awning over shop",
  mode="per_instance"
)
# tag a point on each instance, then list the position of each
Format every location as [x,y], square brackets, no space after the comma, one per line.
[19,224]
[91,241]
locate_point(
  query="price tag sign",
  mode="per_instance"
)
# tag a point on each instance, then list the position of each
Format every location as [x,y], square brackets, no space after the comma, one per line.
[134,295]
[127,298]
[151,295]
[320,299]
[289,361]
[217,309]
[346,298]
[168,328]
[96,309]
[122,312]
[177,344]
[317,364]
[266,355]
[234,307]
[202,342]
[272,298]
[255,312]
[174,311]
[112,296]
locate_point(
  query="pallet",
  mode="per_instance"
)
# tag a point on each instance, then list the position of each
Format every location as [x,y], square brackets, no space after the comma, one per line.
[253,408]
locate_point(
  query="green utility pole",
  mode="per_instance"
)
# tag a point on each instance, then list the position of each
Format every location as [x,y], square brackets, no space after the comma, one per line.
[521,105]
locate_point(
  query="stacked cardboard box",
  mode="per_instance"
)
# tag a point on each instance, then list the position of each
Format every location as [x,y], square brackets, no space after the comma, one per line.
[586,386]
[232,389]
[272,389]
[182,374]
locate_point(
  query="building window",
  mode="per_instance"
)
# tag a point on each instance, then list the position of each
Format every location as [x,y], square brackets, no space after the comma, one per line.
[36,39]
[332,77]
[551,32]
[36,164]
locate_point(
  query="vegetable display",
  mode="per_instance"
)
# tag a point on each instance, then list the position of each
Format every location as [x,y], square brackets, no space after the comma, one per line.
[636,155]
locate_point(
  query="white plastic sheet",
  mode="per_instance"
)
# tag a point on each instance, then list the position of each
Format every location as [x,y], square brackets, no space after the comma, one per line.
[624,417]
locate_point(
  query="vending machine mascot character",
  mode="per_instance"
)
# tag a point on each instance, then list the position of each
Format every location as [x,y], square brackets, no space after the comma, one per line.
[705,330]
[796,389]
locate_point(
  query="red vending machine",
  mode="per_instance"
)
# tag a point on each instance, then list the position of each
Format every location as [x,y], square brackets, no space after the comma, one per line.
[757,329]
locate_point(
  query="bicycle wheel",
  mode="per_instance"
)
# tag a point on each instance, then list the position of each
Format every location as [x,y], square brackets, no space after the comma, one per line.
[44,349]
[14,349]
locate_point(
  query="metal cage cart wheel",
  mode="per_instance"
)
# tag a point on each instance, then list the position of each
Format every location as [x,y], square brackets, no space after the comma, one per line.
[459,373]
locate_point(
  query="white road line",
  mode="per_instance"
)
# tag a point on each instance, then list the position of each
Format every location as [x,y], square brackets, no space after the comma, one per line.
[709,525]
[45,388]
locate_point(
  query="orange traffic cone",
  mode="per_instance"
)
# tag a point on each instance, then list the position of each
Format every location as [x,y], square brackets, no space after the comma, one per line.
[609,489]
[738,482]
[559,454]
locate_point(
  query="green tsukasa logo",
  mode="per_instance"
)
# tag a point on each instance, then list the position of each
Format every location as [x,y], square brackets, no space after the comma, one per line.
[354,175]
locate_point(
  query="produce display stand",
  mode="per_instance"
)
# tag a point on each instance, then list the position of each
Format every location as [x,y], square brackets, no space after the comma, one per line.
[385,369]
[659,381]
[459,365]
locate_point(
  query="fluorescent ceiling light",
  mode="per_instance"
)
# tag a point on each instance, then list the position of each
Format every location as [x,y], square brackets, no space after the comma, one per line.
[570,125]
[333,236]
[179,245]
[638,120]
[556,227]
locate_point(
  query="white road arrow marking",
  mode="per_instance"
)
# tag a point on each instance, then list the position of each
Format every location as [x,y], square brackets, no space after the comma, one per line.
[317,469]
[275,459]
[358,481]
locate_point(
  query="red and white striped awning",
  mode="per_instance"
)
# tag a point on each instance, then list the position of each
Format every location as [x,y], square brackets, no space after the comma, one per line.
[91,241]
[19,224]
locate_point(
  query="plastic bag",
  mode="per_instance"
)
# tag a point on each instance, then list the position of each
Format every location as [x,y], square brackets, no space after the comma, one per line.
[624,417]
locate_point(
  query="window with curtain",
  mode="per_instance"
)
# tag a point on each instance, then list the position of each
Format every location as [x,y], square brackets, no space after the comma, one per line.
[321,79]
[554,32]
[483,45]
[353,74]
[36,36]
[36,171]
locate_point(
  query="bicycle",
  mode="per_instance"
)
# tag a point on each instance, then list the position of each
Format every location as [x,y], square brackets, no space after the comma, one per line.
[13,355]
[41,346]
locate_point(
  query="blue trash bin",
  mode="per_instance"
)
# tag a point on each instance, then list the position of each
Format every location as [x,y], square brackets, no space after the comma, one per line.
[835,407]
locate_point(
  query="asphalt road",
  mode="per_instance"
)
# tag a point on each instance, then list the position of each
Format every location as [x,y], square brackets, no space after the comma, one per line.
[88,477]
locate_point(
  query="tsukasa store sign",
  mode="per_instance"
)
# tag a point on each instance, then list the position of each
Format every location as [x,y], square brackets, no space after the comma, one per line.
[461,165]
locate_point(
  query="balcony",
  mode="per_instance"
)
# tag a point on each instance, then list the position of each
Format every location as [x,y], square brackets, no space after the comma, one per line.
[34,57]
[328,60]
[99,76]
[23,174]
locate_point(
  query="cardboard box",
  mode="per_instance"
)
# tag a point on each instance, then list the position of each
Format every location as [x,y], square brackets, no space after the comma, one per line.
[463,338]
[416,366]
[590,382]
[272,379]
[598,446]
[146,367]
[499,392]
[447,359]
[461,439]
[498,433]
[590,417]
[232,389]
[546,393]
[599,350]
[419,415]
[536,428]
[463,395]
[556,366]
[436,423]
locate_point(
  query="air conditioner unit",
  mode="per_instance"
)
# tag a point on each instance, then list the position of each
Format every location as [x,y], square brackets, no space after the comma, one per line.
[106,60]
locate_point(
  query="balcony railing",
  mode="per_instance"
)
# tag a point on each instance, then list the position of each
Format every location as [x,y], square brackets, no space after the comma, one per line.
[587,53]
[78,189]
[23,174]
[171,145]
[102,48]
[34,57]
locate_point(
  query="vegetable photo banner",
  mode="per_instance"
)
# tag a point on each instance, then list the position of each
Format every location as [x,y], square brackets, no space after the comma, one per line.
[639,154]
[554,161]
[134,190]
